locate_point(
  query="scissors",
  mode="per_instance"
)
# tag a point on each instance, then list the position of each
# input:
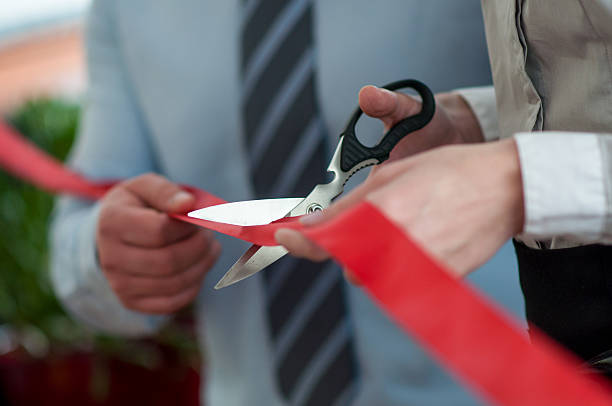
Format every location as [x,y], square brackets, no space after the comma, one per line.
[349,157]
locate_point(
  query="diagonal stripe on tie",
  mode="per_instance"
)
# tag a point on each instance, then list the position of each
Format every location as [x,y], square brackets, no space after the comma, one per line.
[277,72]
[257,23]
[311,172]
[266,49]
[287,92]
[286,138]
[310,142]
[288,297]
[327,383]
[310,331]
[326,317]
[294,325]
[332,383]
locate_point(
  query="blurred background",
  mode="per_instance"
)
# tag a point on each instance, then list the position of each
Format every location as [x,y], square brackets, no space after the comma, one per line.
[45,357]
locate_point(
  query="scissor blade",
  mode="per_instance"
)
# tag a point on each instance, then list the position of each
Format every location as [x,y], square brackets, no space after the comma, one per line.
[321,196]
[254,260]
[248,212]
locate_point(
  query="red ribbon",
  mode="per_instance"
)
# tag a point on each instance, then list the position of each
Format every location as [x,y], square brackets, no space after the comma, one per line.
[459,327]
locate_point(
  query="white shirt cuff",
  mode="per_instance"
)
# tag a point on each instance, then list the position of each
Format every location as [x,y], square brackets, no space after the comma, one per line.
[563,185]
[84,289]
[482,101]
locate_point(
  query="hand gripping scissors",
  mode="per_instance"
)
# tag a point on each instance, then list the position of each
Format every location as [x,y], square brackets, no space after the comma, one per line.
[349,157]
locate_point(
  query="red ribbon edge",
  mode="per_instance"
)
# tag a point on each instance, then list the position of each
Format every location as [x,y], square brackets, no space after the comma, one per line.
[454,323]
[458,326]
[26,161]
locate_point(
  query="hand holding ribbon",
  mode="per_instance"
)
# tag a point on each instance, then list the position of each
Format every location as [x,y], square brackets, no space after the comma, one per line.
[460,202]
[465,333]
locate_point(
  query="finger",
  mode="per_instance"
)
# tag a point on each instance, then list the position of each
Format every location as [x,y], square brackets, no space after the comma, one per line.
[300,246]
[164,304]
[390,107]
[350,276]
[339,206]
[142,226]
[161,194]
[156,262]
[379,177]
[136,286]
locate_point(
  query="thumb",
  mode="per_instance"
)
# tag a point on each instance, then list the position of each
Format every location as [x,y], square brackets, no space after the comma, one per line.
[390,107]
[159,193]
[300,246]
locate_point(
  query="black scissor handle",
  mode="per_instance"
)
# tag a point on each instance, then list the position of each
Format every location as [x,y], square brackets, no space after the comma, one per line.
[354,152]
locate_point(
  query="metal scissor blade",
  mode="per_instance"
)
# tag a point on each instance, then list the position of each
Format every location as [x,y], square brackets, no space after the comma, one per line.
[257,258]
[254,260]
[248,212]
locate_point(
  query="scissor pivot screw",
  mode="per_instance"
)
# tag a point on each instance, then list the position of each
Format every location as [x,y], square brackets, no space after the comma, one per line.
[314,207]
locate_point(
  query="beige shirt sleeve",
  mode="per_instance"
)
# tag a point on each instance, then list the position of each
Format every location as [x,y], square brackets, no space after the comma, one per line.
[567,178]
[482,101]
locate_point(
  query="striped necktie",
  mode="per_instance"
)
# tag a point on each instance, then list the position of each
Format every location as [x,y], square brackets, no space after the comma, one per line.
[310,331]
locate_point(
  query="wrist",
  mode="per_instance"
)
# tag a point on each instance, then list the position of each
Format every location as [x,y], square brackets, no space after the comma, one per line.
[505,157]
[462,116]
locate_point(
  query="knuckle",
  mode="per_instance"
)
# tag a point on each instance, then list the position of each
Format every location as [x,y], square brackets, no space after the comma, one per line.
[207,235]
[316,253]
[157,237]
[104,228]
[183,283]
[106,220]
[146,178]
[216,250]
[127,302]
[115,285]
[205,240]
[137,183]
[174,287]
[209,260]
[178,301]
[115,192]
[166,186]
[164,226]
[312,251]
[383,173]
[165,262]
[177,284]
[160,229]
[168,305]
[106,264]
[203,270]
[184,301]
[107,261]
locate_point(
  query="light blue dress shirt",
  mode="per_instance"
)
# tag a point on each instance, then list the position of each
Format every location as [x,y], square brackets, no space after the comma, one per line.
[164,97]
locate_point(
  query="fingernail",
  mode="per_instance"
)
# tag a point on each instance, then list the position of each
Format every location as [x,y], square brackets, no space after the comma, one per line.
[312,219]
[180,198]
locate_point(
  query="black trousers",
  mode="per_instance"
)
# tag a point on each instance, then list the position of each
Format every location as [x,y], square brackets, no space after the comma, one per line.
[568,295]
[3,400]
